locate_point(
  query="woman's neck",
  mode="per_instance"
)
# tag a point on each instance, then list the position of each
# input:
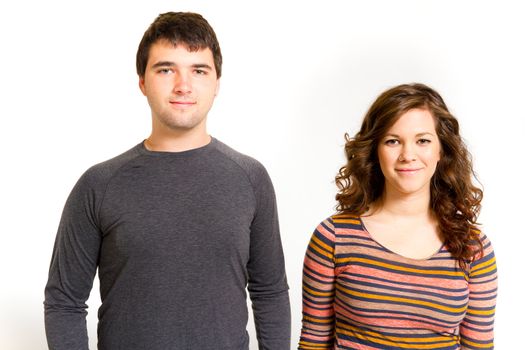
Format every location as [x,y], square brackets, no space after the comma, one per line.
[408,206]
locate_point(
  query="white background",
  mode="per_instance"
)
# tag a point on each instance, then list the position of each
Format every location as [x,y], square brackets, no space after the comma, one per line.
[296,77]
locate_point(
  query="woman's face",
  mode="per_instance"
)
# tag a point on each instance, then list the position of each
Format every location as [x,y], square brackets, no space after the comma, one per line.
[409,153]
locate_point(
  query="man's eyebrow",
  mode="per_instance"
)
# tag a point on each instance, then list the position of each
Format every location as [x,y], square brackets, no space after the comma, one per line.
[202,65]
[172,64]
[163,64]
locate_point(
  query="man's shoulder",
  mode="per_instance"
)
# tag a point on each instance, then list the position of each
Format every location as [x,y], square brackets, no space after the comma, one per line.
[102,172]
[253,169]
[245,162]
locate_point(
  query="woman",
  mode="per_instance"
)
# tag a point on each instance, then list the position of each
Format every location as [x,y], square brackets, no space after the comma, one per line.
[402,265]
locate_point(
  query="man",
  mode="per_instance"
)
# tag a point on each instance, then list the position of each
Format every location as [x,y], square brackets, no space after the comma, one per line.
[178,226]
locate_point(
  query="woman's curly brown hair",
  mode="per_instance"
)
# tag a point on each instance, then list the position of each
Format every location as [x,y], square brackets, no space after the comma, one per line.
[455,200]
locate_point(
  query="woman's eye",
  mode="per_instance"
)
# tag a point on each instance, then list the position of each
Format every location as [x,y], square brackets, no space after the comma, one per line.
[391,142]
[424,141]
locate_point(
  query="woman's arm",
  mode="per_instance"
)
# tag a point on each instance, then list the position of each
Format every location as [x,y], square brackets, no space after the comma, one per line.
[477,328]
[318,290]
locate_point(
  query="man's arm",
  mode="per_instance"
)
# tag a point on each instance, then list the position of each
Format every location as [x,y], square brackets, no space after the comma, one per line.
[72,270]
[267,283]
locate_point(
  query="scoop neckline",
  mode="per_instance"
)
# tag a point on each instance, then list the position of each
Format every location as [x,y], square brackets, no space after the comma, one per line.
[395,253]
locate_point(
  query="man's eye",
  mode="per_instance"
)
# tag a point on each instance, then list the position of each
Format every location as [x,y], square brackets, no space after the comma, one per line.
[164,71]
[201,72]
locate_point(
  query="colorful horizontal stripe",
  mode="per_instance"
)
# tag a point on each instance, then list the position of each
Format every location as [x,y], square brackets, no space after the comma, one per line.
[359,295]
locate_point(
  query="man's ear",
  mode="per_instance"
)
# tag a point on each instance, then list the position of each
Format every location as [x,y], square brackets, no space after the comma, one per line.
[141,85]
[217,88]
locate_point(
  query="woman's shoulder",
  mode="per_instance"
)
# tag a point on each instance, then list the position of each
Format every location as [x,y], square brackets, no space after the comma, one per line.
[340,220]
[346,220]
[482,237]
[480,234]
[343,224]
[482,245]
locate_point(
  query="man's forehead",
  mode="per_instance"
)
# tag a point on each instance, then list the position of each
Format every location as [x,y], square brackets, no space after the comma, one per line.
[180,45]
[167,49]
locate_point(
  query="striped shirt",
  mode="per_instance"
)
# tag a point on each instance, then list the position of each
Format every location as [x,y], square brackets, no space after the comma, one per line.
[359,295]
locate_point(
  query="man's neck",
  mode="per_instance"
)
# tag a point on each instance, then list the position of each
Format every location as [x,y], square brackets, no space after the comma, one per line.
[176,141]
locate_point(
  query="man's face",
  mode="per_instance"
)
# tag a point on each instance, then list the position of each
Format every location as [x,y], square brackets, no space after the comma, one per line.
[180,86]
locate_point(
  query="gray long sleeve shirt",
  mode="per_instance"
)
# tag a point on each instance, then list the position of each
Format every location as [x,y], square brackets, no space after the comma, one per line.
[177,238]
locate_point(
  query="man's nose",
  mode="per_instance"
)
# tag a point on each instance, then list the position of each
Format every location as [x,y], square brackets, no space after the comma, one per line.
[182,83]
